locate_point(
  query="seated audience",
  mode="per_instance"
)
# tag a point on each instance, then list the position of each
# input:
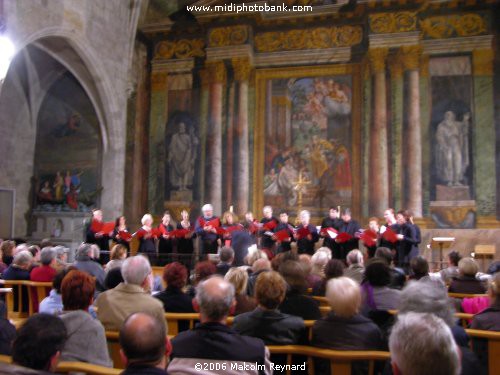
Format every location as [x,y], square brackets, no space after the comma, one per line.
[489,319]
[334,268]
[202,270]
[39,342]
[84,262]
[61,257]
[46,271]
[117,255]
[451,272]
[398,276]
[305,261]
[3,266]
[355,263]
[86,338]
[133,295]
[226,257]
[7,331]
[423,344]
[8,252]
[375,289]
[35,251]
[296,302]
[266,322]
[145,346]
[52,304]
[419,271]
[113,278]
[20,267]
[239,278]
[173,297]
[259,266]
[466,281]
[318,262]
[212,340]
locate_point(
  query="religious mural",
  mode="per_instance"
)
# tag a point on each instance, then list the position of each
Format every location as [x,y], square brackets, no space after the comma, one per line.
[308,155]
[67,150]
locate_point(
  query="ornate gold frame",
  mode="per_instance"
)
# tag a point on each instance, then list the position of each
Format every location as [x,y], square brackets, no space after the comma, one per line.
[261,77]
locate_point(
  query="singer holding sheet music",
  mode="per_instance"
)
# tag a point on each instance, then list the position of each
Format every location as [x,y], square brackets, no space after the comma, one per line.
[306,234]
[95,233]
[121,234]
[185,243]
[283,233]
[267,225]
[206,227]
[146,238]
[349,231]
[408,240]
[165,243]
[332,221]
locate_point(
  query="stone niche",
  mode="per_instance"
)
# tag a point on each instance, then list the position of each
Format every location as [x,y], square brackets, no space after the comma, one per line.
[63,228]
[453,207]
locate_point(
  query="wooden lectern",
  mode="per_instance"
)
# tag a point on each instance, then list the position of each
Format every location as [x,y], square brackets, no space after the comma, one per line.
[484,252]
[442,243]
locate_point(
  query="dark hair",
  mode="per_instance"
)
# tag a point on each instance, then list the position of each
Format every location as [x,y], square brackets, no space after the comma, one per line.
[294,275]
[454,257]
[117,221]
[58,278]
[46,242]
[204,269]
[113,278]
[38,340]
[77,290]
[144,342]
[283,212]
[334,268]
[405,214]
[33,249]
[226,254]
[175,275]
[419,267]
[378,272]
[384,253]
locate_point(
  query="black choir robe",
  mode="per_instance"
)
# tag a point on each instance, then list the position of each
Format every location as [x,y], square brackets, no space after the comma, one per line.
[284,245]
[328,241]
[266,241]
[304,245]
[102,242]
[351,227]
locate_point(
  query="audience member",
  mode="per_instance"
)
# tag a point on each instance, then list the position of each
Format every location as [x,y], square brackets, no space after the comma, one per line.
[266,321]
[133,295]
[226,257]
[20,267]
[295,302]
[35,251]
[8,252]
[212,340]
[355,263]
[375,290]
[334,268]
[61,257]
[117,255]
[173,298]
[259,266]
[489,319]
[46,271]
[398,276]
[39,342]
[52,304]
[84,262]
[466,281]
[86,338]
[145,345]
[451,272]
[419,270]
[239,278]
[7,331]
[423,344]
[202,270]
[318,262]
[113,278]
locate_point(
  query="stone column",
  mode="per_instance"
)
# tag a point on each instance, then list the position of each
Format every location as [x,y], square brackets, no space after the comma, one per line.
[425,122]
[204,99]
[217,73]
[410,56]
[396,139]
[483,139]
[379,168]
[242,70]
[367,96]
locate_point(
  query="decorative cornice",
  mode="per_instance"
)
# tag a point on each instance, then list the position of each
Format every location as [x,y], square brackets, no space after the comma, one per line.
[173,66]
[228,36]
[382,23]
[482,62]
[230,52]
[180,49]
[317,38]
[394,40]
[468,44]
[456,25]
[303,57]
[377,58]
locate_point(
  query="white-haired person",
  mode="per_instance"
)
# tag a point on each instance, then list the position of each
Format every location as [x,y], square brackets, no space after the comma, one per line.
[132,295]
[96,236]
[238,276]
[466,282]
[306,234]
[206,228]
[422,343]
[355,263]
[147,244]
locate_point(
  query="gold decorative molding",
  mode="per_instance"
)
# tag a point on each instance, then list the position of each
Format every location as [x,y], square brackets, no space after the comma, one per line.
[228,36]
[410,57]
[377,57]
[318,38]
[469,24]
[242,68]
[482,62]
[180,49]
[159,81]
[453,216]
[383,23]
[217,72]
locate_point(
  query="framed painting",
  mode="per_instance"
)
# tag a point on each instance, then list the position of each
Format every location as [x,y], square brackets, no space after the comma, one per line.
[307,137]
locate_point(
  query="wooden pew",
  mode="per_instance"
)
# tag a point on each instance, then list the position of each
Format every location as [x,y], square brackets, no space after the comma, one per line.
[86,368]
[493,347]
[15,300]
[112,338]
[37,291]
[173,320]
[340,361]
[465,295]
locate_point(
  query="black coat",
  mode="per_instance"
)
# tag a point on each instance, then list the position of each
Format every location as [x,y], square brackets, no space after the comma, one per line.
[298,304]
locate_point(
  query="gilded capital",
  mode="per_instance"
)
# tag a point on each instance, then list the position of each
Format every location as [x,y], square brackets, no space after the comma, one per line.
[377,58]
[204,77]
[424,66]
[395,67]
[482,62]
[217,72]
[159,81]
[242,68]
[410,57]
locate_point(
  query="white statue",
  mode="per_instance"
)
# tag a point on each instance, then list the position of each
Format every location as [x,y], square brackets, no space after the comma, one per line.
[181,158]
[452,149]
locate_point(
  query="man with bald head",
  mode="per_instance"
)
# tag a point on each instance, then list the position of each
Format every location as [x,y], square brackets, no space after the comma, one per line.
[212,347]
[144,345]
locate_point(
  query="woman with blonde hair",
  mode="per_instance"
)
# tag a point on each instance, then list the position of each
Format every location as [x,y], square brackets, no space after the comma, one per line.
[117,255]
[466,281]
[238,276]
[185,245]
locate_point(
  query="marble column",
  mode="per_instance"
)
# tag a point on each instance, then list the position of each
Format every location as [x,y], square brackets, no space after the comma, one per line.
[483,139]
[379,166]
[204,102]
[425,123]
[229,149]
[367,96]
[396,139]
[217,73]
[410,56]
[242,70]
